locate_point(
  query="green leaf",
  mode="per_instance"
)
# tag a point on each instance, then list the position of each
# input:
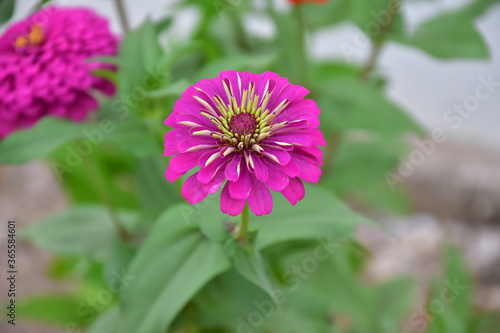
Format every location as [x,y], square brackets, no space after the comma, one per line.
[443,38]
[107,322]
[450,305]
[51,133]
[173,90]
[251,264]
[139,55]
[174,263]
[6,10]
[52,310]
[347,103]
[86,231]
[318,215]
[371,17]
[39,141]
[155,193]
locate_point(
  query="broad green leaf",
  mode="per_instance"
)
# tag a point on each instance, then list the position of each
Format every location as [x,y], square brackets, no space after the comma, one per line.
[244,303]
[172,265]
[154,192]
[174,90]
[318,215]
[107,322]
[443,38]
[54,310]
[132,136]
[39,141]
[51,133]
[6,10]
[139,55]
[251,264]
[347,103]
[452,295]
[86,231]
[371,17]
[105,174]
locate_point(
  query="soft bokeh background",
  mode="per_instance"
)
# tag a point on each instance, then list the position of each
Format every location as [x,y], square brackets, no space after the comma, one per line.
[456,191]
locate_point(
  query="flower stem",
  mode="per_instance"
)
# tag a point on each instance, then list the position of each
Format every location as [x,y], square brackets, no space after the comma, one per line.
[122,13]
[302,54]
[378,44]
[245,218]
[239,29]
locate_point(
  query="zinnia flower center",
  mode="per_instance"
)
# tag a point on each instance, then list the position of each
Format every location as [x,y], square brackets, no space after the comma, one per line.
[34,38]
[243,125]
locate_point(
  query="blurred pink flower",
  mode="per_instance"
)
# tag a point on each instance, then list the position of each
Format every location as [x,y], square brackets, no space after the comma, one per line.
[254,130]
[44,69]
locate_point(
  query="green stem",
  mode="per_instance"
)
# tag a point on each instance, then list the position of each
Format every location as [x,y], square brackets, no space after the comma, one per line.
[302,52]
[245,219]
[122,14]
[100,188]
[241,36]
[378,44]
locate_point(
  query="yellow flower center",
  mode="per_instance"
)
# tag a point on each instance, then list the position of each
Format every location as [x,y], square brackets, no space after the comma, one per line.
[34,38]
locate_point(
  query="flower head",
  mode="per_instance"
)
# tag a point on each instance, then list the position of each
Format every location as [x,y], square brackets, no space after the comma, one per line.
[44,68]
[254,130]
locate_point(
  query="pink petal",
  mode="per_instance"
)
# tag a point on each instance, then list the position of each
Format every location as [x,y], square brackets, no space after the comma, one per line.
[185,161]
[278,179]
[214,185]
[260,199]
[193,191]
[295,191]
[240,189]
[277,155]
[233,168]
[230,205]
[309,169]
[292,169]
[193,143]
[172,175]
[260,169]
[206,173]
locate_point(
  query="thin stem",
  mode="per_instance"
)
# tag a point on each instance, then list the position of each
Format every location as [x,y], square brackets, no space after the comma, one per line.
[100,188]
[245,218]
[378,43]
[302,53]
[241,35]
[122,13]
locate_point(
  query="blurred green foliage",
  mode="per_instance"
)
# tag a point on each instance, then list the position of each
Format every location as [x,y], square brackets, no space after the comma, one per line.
[180,268]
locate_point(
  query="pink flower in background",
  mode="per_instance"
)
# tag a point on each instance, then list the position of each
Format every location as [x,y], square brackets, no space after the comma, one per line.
[254,130]
[44,69]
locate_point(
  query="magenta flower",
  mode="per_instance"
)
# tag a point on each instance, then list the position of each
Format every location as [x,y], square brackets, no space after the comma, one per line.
[44,68]
[254,130]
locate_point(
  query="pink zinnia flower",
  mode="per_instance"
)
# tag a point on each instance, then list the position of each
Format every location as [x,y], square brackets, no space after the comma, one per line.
[254,130]
[43,66]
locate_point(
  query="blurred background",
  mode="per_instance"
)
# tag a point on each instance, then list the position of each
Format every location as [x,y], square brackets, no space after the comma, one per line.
[453,195]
